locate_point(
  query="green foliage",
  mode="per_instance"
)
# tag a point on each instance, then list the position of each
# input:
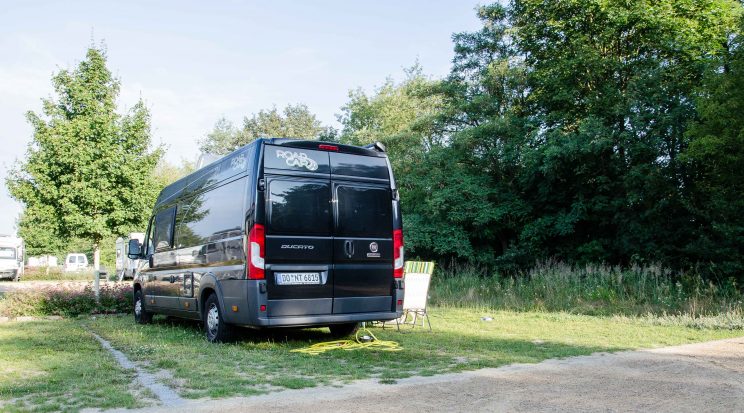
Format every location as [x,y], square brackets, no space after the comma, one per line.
[295,121]
[716,154]
[577,131]
[87,170]
[68,302]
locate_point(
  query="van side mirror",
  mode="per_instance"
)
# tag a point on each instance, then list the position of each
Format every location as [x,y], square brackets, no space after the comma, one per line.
[135,249]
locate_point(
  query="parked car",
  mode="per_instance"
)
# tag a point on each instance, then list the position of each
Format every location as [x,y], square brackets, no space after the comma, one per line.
[76,262]
[11,257]
[279,233]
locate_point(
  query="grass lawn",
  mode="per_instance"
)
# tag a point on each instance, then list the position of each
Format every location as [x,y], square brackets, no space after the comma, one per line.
[262,362]
[58,366]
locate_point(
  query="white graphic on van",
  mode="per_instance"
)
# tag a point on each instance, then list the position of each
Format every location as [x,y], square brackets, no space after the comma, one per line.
[238,163]
[373,247]
[297,159]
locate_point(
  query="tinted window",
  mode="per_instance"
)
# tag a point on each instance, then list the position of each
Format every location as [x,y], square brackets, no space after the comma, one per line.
[301,160]
[204,178]
[233,165]
[7,252]
[163,232]
[71,260]
[364,212]
[213,215]
[356,165]
[299,208]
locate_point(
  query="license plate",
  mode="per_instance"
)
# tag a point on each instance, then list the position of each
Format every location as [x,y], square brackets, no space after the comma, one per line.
[297,278]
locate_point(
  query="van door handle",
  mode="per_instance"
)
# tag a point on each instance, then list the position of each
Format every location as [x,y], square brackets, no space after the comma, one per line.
[349,248]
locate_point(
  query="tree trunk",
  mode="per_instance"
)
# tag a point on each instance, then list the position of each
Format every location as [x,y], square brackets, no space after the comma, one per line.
[97,256]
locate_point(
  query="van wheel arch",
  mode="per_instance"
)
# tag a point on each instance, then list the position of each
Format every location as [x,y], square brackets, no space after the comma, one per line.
[203,296]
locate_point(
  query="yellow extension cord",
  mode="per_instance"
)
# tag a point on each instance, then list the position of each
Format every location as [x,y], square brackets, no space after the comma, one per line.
[349,345]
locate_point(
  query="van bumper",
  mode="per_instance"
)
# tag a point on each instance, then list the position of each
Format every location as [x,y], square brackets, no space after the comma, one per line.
[324,319]
[248,295]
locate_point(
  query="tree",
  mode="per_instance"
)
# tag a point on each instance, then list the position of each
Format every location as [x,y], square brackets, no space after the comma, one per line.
[295,121]
[612,87]
[716,154]
[562,132]
[88,170]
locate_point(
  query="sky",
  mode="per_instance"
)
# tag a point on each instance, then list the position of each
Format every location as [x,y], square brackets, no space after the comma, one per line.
[193,61]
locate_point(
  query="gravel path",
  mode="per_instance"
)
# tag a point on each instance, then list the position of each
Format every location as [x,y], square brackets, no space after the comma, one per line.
[690,378]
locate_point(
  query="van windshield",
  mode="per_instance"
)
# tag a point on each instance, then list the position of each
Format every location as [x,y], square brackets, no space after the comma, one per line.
[7,253]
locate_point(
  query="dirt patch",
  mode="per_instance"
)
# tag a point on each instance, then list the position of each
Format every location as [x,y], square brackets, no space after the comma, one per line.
[689,378]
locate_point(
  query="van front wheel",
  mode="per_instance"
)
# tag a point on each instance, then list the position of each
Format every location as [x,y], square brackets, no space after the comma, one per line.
[215,328]
[343,330]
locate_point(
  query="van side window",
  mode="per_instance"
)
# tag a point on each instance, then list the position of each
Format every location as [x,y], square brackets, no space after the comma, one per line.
[162,235]
[299,207]
[213,215]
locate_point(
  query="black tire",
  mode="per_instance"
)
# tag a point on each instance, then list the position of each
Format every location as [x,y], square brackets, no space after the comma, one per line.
[141,316]
[215,328]
[343,330]
[17,277]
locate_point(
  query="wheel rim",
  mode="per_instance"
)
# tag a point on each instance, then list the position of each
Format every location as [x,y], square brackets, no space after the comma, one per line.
[138,307]
[213,320]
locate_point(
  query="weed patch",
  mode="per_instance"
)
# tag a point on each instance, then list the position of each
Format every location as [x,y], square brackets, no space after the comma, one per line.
[68,302]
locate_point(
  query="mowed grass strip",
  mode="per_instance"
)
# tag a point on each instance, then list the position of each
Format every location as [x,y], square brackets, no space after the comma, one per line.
[259,362]
[58,366]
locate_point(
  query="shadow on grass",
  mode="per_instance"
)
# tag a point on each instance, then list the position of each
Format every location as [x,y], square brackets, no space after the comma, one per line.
[252,335]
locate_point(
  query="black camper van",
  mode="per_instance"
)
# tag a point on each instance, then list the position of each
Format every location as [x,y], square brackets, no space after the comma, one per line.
[279,233]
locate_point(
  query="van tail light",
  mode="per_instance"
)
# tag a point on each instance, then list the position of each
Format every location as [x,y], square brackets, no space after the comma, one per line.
[398,253]
[255,252]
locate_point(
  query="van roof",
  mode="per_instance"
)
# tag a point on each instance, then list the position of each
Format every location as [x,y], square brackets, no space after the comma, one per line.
[312,144]
[178,186]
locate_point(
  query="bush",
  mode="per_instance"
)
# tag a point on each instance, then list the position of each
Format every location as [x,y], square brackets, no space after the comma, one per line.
[67,302]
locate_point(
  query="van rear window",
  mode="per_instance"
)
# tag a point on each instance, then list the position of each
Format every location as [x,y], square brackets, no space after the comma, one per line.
[364,211]
[7,252]
[359,166]
[299,207]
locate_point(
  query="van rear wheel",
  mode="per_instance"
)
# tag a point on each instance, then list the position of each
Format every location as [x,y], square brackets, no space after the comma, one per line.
[215,328]
[141,316]
[343,330]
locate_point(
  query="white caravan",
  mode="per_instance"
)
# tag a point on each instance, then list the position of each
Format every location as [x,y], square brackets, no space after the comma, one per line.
[125,266]
[11,257]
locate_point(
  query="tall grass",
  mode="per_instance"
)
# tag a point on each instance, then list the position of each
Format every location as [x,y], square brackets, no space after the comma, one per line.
[592,290]
[55,274]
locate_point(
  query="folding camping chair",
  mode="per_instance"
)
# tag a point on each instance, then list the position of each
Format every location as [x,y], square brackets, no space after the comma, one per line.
[417,278]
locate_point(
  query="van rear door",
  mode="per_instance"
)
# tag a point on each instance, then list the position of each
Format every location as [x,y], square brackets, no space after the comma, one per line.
[299,230]
[363,245]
